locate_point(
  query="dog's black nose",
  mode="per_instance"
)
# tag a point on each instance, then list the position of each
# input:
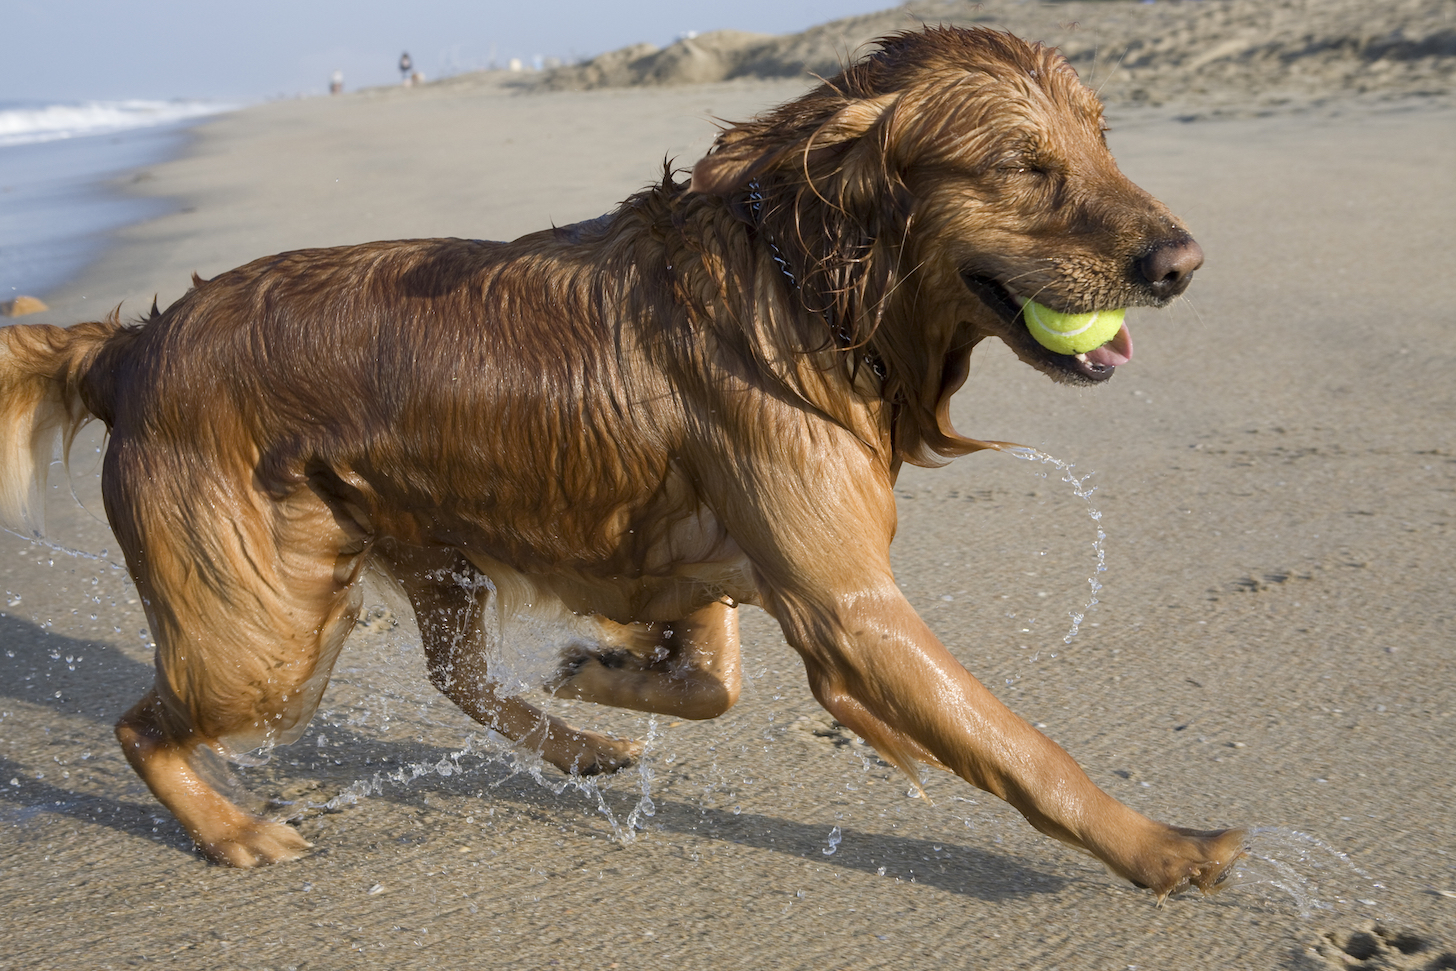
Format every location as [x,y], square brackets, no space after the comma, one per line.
[1168,267]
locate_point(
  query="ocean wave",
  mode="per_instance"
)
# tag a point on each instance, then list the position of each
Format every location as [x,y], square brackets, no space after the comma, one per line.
[46,123]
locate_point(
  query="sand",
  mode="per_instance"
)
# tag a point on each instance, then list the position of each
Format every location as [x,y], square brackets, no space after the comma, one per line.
[1275,476]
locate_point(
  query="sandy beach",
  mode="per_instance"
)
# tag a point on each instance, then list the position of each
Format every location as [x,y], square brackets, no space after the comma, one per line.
[1275,475]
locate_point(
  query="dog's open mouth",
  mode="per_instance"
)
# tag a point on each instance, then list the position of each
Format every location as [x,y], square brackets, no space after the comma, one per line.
[1094,365]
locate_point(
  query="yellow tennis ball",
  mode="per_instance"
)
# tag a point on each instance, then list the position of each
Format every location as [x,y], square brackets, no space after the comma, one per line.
[1070,333]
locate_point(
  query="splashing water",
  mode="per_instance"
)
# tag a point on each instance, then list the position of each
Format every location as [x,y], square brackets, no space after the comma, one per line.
[1300,866]
[835,838]
[41,541]
[1081,491]
[645,806]
[491,748]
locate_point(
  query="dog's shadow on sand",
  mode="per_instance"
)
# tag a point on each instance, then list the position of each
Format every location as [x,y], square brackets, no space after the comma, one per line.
[97,682]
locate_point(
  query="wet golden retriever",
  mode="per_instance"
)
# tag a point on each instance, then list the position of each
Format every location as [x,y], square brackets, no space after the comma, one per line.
[699,400]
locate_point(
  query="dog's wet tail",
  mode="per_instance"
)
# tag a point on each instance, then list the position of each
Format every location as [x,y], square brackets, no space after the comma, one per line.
[43,370]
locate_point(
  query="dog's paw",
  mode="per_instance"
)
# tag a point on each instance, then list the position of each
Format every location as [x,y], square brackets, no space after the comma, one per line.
[602,676]
[601,755]
[254,842]
[1189,858]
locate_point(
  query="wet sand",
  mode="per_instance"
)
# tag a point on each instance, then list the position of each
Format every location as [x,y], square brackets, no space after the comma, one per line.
[1275,475]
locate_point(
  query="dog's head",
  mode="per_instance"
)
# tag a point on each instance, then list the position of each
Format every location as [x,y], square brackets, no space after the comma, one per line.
[922,196]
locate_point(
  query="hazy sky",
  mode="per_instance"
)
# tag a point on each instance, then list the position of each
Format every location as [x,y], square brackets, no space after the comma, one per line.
[247,50]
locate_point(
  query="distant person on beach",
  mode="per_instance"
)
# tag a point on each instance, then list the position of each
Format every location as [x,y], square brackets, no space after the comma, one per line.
[404,67]
[336,82]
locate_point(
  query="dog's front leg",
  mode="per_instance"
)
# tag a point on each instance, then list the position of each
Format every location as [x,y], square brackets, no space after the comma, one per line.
[876,666]
[815,515]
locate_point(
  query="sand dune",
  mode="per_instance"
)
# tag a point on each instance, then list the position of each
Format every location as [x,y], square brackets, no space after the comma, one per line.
[1228,53]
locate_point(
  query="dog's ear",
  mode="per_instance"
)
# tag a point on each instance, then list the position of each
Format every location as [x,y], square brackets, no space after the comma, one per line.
[743,152]
[852,121]
[732,161]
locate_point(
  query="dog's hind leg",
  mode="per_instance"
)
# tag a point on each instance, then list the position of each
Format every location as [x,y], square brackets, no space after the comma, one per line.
[249,600]
[451,606]
[688,668]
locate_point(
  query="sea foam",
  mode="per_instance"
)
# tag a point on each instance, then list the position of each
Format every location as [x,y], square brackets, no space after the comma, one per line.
[24,125]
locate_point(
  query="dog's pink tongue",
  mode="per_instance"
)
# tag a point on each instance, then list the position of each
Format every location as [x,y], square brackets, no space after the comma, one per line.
[1115,352]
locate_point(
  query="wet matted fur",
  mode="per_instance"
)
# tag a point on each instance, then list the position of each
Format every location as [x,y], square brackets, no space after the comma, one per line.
[699,400]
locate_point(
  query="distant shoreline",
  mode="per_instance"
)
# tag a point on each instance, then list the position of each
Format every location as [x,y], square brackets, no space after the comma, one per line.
[63,188]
